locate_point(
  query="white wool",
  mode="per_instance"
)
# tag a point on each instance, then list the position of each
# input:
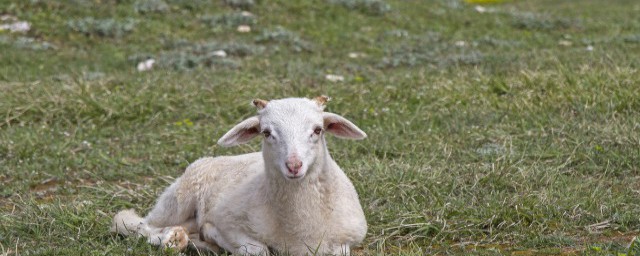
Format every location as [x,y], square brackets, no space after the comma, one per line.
[291,197]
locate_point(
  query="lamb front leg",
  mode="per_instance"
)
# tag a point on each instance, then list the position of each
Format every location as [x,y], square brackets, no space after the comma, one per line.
[234,241]
[169,237]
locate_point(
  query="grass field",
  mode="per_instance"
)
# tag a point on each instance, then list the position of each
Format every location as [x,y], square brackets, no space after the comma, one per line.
[499,128]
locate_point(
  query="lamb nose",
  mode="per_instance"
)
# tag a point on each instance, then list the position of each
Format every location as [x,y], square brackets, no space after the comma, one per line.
[294,166]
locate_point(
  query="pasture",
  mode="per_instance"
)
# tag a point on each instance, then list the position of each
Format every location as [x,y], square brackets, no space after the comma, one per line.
[495,127]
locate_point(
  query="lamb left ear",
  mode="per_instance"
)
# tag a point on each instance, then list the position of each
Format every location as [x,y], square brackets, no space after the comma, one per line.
[241,133]
[341,127]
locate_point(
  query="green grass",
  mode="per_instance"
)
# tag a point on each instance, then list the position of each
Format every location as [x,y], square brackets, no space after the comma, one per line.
[492,133]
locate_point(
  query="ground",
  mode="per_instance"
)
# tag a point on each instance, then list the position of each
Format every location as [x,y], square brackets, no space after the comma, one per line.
[495,127]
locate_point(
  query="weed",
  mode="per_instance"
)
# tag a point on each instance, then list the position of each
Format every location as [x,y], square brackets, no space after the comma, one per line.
[229,20]
[500,43]
[534,21]
[241,4]
[192,5]
[373,7]
[280,35]
[546,240]
[102,27]
[632,39]
[184,55]
[634,246]
[27,43]
[150,6]
[189,60]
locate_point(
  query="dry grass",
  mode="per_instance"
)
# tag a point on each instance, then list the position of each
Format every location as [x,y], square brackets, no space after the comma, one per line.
[487,135]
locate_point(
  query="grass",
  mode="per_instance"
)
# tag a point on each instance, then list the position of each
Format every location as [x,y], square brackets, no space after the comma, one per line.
[512,131]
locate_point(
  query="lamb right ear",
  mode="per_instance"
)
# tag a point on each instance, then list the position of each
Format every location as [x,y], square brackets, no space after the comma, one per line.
[241,133]
[341,127]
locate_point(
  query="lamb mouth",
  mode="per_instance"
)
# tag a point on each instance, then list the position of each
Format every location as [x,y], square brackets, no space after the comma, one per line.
[296,177]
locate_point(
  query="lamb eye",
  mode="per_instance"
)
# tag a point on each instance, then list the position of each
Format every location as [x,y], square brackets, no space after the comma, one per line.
[317,130]
[266,133]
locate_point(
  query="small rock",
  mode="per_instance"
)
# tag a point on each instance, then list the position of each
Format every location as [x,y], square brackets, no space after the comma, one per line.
[244,29]
[460,43]
[219,53]
[589,48]
[18,26]
[480,9]
[334,78]
[146,65]
[565,43]
[355,55]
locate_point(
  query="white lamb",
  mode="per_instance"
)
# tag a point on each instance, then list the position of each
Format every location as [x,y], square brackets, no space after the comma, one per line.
[292,197]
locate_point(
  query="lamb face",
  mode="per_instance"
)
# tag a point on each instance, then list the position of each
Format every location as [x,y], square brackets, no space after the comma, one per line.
[293,132]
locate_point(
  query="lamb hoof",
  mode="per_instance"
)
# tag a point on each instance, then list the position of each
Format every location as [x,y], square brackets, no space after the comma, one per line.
[175,237]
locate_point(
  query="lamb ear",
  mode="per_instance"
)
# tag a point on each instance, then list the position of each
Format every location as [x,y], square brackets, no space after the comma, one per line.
[341,127]
[241,133]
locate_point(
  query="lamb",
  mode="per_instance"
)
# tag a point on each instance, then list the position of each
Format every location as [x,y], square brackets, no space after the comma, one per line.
[291,197]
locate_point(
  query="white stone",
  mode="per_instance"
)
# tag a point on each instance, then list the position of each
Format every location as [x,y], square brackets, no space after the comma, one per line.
[355,55]
[565,43]
[18,26]
[146,65]
[244,29]
[334,78]
[220,53]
